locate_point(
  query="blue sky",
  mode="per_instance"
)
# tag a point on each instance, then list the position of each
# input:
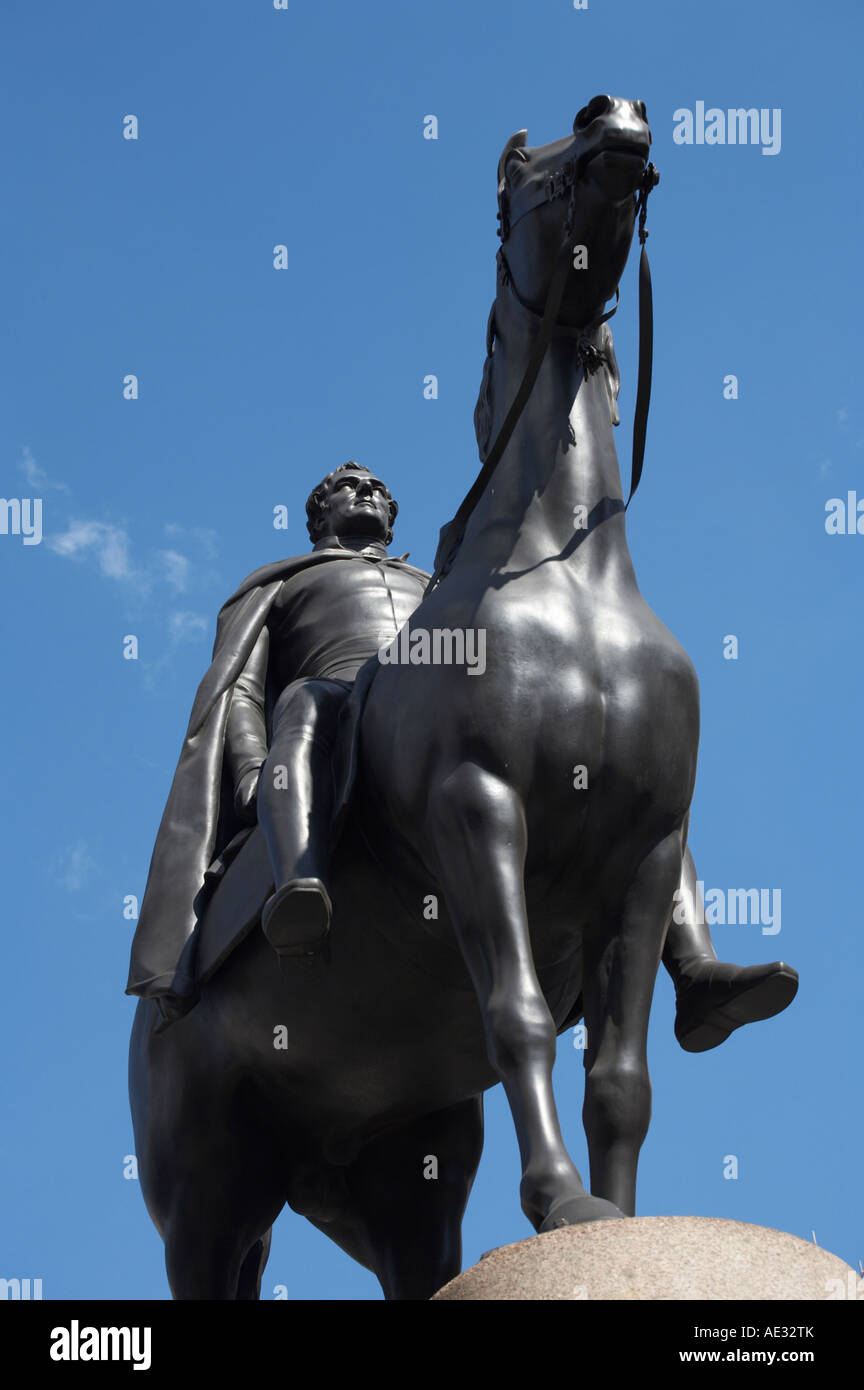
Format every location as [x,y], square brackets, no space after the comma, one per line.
[154,257]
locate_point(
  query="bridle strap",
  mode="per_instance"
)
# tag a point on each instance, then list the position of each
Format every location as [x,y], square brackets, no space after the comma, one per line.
[453,532]
[650,179]
[451,535]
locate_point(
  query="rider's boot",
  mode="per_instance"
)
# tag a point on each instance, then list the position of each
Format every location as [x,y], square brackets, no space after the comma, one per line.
[296,919]
[295,819]
[715,997]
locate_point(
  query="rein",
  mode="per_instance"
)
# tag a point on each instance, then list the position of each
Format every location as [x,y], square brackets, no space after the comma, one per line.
[453,533]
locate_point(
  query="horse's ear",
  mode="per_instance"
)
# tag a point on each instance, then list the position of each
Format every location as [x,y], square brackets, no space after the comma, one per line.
[611,375]
[516,142]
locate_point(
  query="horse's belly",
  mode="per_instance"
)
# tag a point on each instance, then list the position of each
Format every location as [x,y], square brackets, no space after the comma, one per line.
[388,1029]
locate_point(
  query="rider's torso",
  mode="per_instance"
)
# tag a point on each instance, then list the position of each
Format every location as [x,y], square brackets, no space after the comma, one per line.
[329,619]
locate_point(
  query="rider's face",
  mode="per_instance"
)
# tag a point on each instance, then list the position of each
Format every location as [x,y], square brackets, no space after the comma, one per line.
[357,505]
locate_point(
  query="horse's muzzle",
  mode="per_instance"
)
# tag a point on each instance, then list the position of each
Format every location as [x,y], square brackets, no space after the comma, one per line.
[614,127]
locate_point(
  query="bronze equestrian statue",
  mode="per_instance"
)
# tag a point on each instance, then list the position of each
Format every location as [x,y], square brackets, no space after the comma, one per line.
[441,894]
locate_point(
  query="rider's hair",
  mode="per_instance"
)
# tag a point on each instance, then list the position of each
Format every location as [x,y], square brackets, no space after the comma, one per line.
[316,503]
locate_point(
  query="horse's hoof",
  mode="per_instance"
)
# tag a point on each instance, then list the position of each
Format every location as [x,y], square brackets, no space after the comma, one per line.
[723,997]
[296,919]
[575,1211]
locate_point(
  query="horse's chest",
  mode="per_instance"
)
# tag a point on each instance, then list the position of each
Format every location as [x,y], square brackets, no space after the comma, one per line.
[584,699]
[618,663]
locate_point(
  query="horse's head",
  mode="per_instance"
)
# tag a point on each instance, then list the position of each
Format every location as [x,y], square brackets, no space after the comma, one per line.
[590,178]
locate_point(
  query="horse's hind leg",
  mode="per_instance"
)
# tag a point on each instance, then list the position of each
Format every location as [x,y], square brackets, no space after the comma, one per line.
[219,1188]
[252,1269]
[619,975]
[478,828]
[409,1188]
[212,1249]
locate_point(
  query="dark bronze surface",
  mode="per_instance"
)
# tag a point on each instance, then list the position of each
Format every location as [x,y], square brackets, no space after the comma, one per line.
[484,894]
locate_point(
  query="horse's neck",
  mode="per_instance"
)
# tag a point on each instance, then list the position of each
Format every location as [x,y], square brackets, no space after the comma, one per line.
[556,493]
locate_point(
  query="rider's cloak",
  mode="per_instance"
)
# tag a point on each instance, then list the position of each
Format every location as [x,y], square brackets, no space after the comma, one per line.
[199,820]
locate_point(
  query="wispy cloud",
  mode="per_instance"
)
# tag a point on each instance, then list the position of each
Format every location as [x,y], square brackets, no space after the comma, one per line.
[36,476]
[74,867]
[183,627]
[187,627]
[154,579]
[175,568]
[203,537]
[108,545]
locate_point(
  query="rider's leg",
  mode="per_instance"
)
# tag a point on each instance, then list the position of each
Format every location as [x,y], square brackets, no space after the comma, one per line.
[689,936]
[714,997]
[295,804]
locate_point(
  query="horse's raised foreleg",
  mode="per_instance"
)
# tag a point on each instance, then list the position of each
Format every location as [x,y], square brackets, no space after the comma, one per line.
[478,830]
[619,974]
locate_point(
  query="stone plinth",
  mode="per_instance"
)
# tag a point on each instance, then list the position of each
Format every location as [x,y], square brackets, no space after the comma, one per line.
[658,1257]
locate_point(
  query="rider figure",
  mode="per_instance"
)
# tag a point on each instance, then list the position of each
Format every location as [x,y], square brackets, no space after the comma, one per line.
[324,625]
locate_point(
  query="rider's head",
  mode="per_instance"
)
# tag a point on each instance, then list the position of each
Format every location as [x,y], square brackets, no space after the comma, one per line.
[351,501]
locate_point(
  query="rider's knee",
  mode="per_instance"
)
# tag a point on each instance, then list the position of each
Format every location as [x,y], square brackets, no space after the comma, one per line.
[308,707]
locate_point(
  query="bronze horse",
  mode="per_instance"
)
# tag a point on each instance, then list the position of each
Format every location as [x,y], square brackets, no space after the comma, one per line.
[486,894]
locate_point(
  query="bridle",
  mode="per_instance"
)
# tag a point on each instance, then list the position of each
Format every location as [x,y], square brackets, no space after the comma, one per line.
[555,185]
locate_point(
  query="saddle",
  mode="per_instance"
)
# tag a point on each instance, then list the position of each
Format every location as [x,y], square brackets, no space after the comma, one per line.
[240,879]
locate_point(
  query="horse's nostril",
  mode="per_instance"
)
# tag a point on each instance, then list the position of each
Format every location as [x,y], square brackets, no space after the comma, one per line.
[597,106]
[643,110]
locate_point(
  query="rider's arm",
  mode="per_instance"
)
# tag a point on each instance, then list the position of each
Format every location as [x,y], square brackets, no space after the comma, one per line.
[246,733]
